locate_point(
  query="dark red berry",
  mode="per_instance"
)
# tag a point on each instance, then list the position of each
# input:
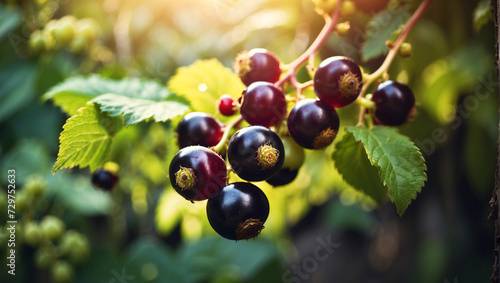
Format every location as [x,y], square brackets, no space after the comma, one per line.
[257,65]
[226,105]
[338,81]
[104,179]
[313,124]
[197,173]
[197,128]
[371,6]
[263,104]
[239,211]
[394,103]
[255,153]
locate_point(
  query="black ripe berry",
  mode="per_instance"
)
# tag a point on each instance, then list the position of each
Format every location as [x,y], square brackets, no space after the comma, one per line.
[313,124]
[197,128]
[104,179]
[284,177]
[394,103]
[197,173]
[294,158]
[239,211]
[263,104]
[257,65]
[226,105]
[255,153]
[338,81]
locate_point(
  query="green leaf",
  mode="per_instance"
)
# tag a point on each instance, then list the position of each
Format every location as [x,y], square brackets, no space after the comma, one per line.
[482,14]
[85,139]
[350,154]
[203,82]
[402,167]
[136,110]
[380,29]
[75,92]
[9,20]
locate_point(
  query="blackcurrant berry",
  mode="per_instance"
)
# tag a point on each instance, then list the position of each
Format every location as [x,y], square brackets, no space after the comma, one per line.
[284,177]
[313,124]
[104,179]
[197,128]
[226,105]
[257,65]
[294,158]
[255,153]
[338,81]
[263,104]
[197,173]
[371,6]
[239,211]
[394,103]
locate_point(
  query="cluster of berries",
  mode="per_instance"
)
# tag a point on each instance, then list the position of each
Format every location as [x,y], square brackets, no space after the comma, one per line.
[77,35]
[257,153]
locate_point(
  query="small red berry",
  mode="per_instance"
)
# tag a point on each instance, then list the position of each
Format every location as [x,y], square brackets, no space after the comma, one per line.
[226,105]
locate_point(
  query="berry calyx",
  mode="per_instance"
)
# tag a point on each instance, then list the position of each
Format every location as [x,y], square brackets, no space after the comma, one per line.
[338,81]
[197,128]
[257,64]
[239,211]
[255,153]
[226,105]
[394,103]
[197,173]
[263,104]
[313,124]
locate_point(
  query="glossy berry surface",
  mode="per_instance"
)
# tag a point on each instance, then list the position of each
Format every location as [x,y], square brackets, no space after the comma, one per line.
[338,81]
[313,124]
[239,211]
[197,173]
[284,177]
[263,104]
[255,153]
[257,64]
[371,6]
[394,103]
[226,105]
[197,128]
[104,179]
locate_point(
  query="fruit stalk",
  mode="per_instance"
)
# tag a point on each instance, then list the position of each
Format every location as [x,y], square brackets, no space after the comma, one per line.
[330,23]
[225,136]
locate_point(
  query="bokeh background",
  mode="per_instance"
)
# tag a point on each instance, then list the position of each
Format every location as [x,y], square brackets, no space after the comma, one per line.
[320,229]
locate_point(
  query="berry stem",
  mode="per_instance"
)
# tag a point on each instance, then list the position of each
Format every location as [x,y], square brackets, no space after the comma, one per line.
[330,22]
[218,147]
[393,51]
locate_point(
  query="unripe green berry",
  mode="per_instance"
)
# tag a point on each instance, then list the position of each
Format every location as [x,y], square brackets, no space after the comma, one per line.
[62,272]
[78,44]
[52,227]
[348,8]
[75,246]
[88,28]
[65,29]
[405,50]
[342,28]
[23,200]
[294,154]
[32,234]
[326,6]
[36,41]
[43,258]
[35,186]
